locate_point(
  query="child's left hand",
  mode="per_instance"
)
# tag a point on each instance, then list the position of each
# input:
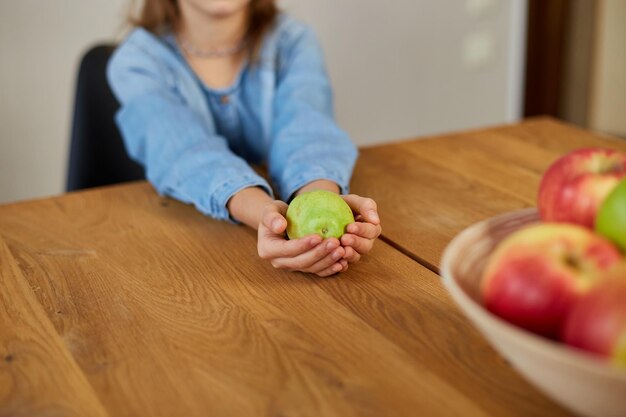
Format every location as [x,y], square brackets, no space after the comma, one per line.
[361,234]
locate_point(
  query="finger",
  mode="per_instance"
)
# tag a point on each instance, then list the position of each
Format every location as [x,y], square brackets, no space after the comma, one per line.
[366,230]
[303,261]
[364,206]
[345,265]
[333,257]
[277,224]
[360,244]
[273,247]
[351,255]
[274,219]
[331,270]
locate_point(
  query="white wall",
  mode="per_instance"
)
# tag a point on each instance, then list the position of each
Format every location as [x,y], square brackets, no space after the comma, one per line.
[406,68]
[40,46]
[400,68]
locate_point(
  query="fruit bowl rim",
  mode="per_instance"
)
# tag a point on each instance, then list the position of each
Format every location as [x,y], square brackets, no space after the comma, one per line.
[557,351]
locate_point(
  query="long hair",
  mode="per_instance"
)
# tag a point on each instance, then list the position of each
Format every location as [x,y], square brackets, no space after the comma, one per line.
[156,15]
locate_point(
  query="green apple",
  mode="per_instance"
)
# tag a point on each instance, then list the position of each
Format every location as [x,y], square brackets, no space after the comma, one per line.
[611,220]
[318,212]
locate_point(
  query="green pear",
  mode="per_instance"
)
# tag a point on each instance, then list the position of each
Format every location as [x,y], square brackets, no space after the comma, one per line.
[318,212]
[611,219]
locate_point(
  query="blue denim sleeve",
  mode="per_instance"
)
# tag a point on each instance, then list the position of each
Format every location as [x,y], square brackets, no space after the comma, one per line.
[307,144]
[182,155]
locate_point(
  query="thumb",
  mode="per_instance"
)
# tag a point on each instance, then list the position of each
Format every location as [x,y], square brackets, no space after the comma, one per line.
[366,207]
[274,220]
[371,216]
[279,224]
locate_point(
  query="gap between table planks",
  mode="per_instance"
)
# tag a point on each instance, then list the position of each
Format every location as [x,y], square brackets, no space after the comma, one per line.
[443,184]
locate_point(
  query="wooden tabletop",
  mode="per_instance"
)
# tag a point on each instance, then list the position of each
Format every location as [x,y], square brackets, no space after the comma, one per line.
[117,302]
[430,189]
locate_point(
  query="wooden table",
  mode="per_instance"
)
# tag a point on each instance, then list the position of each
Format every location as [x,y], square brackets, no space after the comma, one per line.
[117,302]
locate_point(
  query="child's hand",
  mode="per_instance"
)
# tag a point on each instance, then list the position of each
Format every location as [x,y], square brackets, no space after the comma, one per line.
[307,254]
[361,234]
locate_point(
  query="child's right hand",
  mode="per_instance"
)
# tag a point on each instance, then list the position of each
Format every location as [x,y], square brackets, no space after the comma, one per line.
[308,254]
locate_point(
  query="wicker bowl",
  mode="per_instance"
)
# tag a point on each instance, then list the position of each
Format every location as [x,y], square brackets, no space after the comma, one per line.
[580,382]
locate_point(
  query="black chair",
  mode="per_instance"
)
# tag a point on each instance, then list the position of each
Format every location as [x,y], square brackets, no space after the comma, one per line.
[97,153]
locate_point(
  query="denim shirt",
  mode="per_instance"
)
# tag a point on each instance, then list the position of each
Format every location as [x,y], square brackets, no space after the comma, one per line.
[197,143]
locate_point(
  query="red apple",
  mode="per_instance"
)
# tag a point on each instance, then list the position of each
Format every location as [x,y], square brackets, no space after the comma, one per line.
[574,187]
[597,322]
[536,274]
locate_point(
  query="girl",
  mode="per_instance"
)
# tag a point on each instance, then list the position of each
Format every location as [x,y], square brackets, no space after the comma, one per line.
[209,87]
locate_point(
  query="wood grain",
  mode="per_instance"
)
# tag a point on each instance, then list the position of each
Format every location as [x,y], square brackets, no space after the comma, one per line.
[430,189]
[38,376]
[170,313]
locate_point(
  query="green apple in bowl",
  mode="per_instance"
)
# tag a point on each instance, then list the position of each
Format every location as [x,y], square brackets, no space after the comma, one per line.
[318,212]
[611,219]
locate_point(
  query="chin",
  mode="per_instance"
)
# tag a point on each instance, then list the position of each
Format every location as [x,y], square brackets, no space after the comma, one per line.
[220,8]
